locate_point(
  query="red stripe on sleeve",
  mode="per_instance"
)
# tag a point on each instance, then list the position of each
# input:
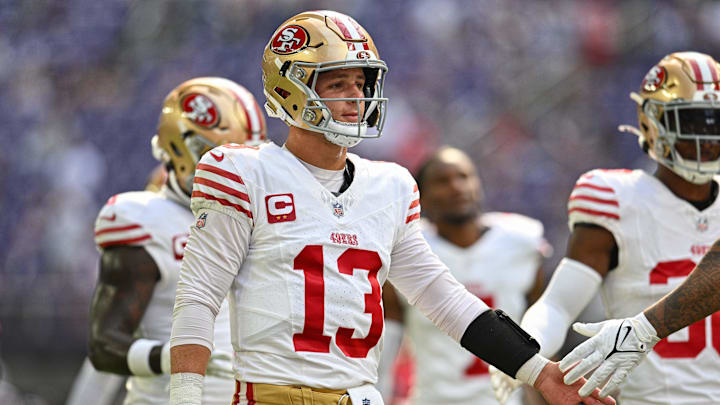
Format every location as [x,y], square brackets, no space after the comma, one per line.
[594,187]
[221,187]
[414,204]
[415,189]
[117,229]
[593,199]
[220,172]
[594,212]
[128,241]
[240,208]
[412,217]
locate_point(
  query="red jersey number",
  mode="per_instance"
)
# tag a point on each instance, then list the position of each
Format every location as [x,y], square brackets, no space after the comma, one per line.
[312,339]
[479,367]
[697,331]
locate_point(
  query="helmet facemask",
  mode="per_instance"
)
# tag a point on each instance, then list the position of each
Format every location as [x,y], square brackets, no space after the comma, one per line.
[316,114]
[688,137]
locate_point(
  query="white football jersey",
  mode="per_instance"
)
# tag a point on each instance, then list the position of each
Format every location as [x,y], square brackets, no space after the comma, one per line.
[500,268]
[160,223]
[660,239]
[306,304]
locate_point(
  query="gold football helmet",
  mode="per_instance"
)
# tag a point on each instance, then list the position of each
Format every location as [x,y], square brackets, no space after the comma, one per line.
[198,115]
[678,105]
[305,46]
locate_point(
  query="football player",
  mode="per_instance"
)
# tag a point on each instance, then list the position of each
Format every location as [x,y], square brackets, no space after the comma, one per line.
[635,236]
[303,237]
[496,256]
[141,236]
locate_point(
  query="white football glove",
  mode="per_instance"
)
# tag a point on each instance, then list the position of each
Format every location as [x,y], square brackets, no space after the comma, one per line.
[502,384]
[220,364]
[615,345]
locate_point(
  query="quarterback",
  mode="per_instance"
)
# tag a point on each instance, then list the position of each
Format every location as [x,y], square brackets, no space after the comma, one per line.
[636,236]
[141,236]
[303,237]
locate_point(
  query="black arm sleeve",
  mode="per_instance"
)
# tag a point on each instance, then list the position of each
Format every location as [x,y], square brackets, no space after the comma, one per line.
[498,340]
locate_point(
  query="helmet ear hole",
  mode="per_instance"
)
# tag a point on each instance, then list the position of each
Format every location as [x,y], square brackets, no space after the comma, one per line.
[645,146]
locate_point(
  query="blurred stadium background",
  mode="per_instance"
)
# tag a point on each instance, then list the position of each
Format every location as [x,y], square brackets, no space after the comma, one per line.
[533,90]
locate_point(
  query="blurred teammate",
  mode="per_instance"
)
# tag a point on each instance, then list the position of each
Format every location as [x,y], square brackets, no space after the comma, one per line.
[496,256]
[635,236]
[97,387]
[304,236]
[142,235]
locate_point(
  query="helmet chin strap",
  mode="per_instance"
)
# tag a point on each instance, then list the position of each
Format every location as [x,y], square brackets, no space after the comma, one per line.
[180,194]
[343,134]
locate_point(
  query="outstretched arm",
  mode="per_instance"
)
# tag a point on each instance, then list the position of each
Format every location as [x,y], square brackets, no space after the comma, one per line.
[696,298]
[618,345]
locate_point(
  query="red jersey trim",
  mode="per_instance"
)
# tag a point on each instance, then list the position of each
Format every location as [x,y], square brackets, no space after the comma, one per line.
[221,187]
[412,217]
[414,204]
[594,187]
[240,208]
[117,229]
[128,241]
[594,212]
[220,172]
[594,199]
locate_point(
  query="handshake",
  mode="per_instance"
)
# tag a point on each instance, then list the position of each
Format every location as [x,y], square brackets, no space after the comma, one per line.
[615,347]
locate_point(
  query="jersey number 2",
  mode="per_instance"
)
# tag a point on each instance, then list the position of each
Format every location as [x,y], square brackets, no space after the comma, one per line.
[312,339]
[696,332]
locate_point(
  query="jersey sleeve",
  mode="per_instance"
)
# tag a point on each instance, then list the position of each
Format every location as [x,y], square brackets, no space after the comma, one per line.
[595,200]
[120,223]
[219,186]
[410,206]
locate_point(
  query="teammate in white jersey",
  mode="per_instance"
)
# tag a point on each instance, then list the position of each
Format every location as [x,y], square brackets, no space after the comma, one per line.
[635,236]
[304,236]
[496,256]
[141,236]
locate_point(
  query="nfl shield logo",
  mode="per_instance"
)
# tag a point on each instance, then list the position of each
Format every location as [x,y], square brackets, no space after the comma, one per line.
[702,224]
[338,209]
[201,220]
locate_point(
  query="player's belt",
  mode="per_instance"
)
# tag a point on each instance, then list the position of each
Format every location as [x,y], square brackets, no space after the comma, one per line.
[270,394]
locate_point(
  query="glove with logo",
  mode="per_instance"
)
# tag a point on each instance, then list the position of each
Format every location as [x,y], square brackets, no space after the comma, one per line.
[616,346]
[502,384]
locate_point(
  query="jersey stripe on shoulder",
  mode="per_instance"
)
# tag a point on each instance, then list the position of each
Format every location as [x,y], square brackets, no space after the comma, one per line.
[216,184]
[593,196]
[132,234]
[414,208]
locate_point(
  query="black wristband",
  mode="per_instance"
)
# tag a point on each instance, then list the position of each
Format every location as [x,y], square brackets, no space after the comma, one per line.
[498,340]
[155,359]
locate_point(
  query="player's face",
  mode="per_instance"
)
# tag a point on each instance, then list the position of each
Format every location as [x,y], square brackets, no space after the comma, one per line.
[341,83]
[709,150]
[451,190]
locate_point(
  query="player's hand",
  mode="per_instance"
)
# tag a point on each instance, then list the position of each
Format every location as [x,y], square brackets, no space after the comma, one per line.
[220,365]
[551,386]
[616,346]
[502,384]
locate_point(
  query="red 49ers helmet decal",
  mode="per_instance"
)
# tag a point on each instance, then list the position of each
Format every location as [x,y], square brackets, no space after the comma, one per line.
[290,39]
[654,78]
[200,110]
